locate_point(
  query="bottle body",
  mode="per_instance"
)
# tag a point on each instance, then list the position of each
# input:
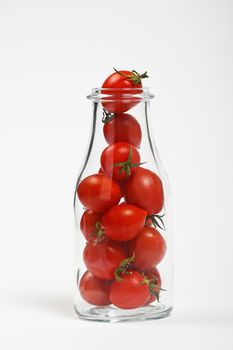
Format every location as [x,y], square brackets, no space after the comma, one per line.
[123,217]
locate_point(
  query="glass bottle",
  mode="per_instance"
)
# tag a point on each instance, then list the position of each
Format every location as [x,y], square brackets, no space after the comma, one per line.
[123,215]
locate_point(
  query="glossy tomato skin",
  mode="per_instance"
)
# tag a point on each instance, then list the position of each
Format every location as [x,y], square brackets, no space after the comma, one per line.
[123,222]
[145,190]
[119,103]
[98,192]
[116,103]
[117,81]
[131,292]
[117,153]
[151,275]
[103,258]
[94,290]
[149,248]
[88,223]
[125,128]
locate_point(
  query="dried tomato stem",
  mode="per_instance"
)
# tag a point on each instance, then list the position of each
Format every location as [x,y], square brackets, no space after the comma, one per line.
[134,76]
[107,116]
[122,268]
[98,233]
[152,284]
[127,165]
[157,221]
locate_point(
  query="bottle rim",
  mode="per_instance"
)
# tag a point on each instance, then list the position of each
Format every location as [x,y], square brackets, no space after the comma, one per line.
[120,94]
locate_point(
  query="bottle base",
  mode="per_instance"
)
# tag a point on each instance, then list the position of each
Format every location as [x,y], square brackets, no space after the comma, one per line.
[112,314]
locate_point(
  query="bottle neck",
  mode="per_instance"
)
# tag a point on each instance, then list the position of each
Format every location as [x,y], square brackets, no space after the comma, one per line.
[132,126]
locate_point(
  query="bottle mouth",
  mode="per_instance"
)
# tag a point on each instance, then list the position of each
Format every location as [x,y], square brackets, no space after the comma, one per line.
[120,94]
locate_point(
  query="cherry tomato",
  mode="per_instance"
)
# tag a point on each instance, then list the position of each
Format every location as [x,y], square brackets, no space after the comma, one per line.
[154,276]
[103,258]
[98,192]
[94,290]
[145,190]
[123,222]
[119,160]
[123,127]
[131,292]
[88,223]
[149,248]
[123,79]
[120,103]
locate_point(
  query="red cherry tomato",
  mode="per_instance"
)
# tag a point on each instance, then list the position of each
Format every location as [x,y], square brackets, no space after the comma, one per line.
[123,79]
[149,248]
[145,190]
[123,222]
[153,275]
[99,193]
[94,290]
[119,160]
[120,103]
[88,223]
[103,258]
[131,292]
[123,127]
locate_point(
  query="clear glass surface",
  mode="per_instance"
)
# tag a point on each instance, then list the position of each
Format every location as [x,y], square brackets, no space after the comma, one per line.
[149,154]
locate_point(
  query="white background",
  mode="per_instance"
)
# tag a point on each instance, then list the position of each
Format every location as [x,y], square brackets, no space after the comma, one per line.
[51,54]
